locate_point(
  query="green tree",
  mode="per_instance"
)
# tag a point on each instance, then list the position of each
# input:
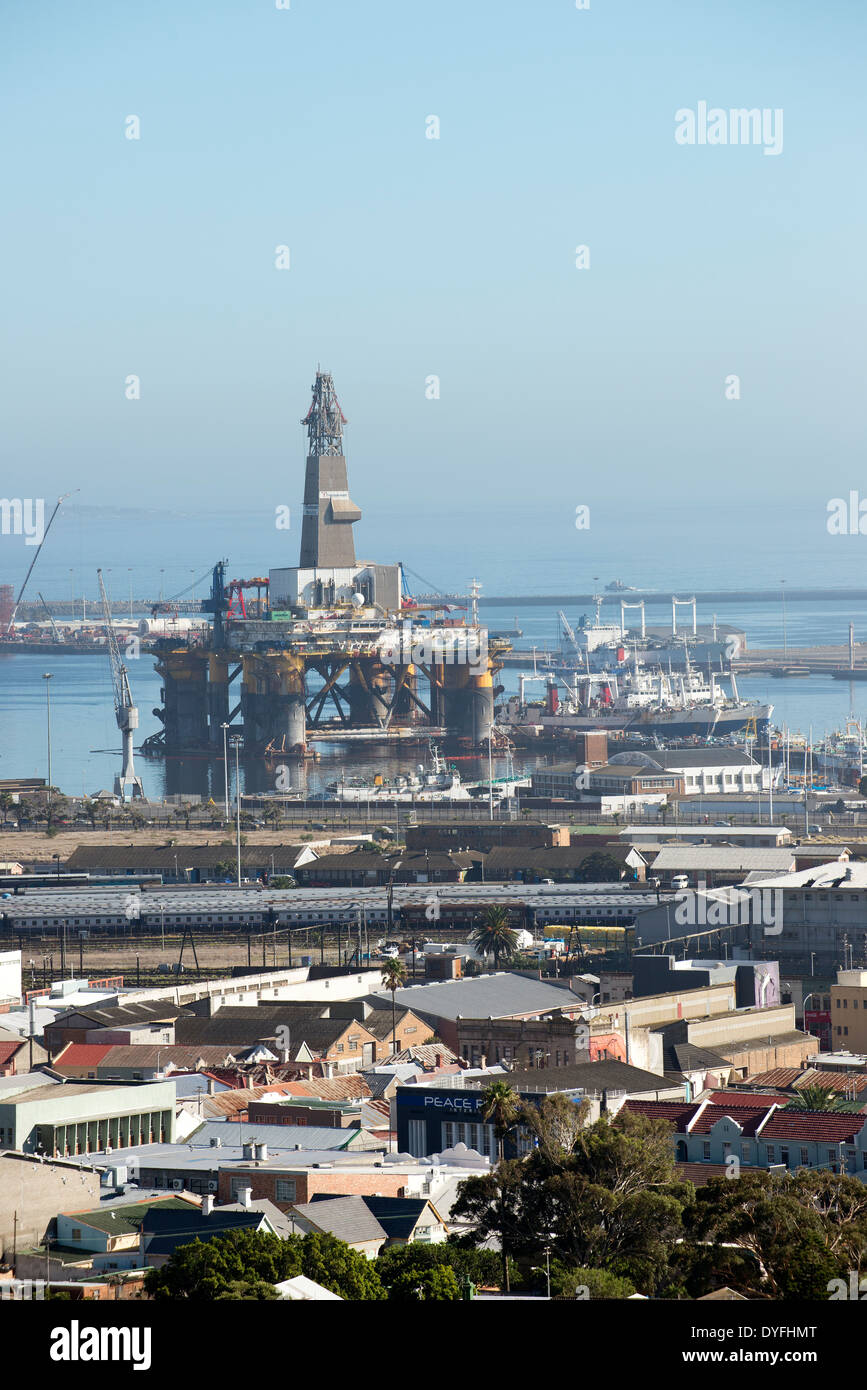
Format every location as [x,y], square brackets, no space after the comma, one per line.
[495,936]
[393,978]
[502,1107]
[434,1283]
[464,1261]
[344,1271]
[815,1098]
[248,1290]
[204,1270]
[7,805]
[599,867]
[570,1281]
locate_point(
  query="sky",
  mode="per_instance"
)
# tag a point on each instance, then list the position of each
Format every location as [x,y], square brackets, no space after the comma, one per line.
[412,257]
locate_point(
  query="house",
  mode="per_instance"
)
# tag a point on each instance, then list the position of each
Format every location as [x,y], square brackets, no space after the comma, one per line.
[706,866]
[162,1232]
[406,1220]
[113,1227]
[762,1135]
[19,1054]
[562,864]
[347,1218]
[150,1021]
[486,835]
[502,995]
[89,1061]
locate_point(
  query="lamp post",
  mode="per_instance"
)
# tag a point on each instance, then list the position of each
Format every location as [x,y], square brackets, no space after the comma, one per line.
[225,729]
[490,775]
[47,676]
[236,744]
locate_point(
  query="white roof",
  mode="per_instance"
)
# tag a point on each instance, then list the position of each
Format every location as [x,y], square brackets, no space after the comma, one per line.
[306,1289]
[838,875]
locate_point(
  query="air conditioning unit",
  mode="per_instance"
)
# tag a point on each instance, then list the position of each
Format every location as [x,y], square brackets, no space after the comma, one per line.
[177,1184]
[212,1187]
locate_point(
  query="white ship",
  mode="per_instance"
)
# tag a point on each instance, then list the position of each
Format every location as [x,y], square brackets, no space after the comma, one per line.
[651,702]
[438,782]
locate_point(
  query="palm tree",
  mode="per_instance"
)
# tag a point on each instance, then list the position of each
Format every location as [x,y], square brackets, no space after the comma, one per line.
[814,1098]
[495,936]
[502,1106]
[393,976]
[6,805]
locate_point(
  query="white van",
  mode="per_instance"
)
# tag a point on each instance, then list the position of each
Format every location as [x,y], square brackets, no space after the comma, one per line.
[679,882]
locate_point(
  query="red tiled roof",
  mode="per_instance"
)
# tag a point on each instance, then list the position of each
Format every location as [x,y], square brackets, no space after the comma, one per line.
[82,1054]
[747,1098]
[780,1077]
[831,1080]
[813,1125]
[746,1119]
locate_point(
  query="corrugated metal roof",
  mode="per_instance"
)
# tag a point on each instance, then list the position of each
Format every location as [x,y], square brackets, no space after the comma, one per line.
[347,1218]
[729,857]
[490,996]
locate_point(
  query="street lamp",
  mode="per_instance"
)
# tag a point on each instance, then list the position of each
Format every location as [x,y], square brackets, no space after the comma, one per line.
[225,729]
[236,744]
[47,676]
[490,774]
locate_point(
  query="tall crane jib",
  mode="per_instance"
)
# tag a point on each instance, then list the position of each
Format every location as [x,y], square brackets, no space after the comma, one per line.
[125,712]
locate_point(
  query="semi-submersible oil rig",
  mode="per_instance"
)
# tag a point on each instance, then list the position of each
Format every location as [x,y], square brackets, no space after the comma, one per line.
[336,650]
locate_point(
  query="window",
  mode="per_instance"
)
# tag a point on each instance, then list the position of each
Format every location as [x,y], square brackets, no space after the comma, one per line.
[805,1156]
[705,1150]
[771,1153]
[784,1156]
[285,1189]
[76,1233]
[745,1152]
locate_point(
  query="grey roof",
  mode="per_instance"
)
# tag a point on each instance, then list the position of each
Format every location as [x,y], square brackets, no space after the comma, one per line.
[348,1218]
[490,996]
[686,1056]
[741,858]
[277,1137]
[279,1220]
[119,1015]
[301,905]
[590,1077]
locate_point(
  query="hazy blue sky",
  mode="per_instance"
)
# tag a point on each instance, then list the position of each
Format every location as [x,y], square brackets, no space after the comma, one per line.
[412,256]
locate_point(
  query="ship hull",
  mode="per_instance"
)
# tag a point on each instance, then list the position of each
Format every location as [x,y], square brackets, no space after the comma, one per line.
[702,722]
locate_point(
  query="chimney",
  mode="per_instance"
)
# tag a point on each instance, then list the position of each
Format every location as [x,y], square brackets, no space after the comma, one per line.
[438,1059]
[208,1204]
[261,1152]
[212,1085]
[245,1197]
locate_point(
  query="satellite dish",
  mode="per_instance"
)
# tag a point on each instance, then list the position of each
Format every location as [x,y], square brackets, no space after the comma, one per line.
[358,600]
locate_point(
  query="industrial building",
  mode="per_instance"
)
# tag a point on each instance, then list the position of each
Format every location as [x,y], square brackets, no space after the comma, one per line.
[63,1118]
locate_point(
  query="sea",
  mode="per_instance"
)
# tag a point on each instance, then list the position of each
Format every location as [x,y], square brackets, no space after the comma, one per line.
[532,549]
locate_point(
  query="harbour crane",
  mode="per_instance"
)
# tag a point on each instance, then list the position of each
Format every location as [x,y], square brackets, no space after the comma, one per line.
[569,631]
[125,712]
[54,629]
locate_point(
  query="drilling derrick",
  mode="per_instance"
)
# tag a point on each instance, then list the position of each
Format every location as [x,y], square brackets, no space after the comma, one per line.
[125,712]
[329,512]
